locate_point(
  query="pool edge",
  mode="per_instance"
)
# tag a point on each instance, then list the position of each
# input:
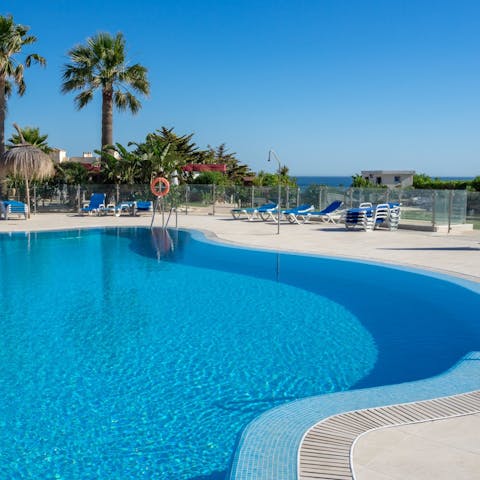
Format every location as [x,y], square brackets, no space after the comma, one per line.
[268,446]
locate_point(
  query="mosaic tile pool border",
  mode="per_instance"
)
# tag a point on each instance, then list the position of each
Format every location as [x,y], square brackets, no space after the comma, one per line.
[268,446]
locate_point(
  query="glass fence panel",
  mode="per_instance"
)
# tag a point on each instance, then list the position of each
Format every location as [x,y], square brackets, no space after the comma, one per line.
[312,195]
[199,198]
[321,196]
[423,207]
[417,206]
[441,207]
[332,194]
[54,198]
[473,209]
[139,193]
[268,195]
[242,197]
[458,210]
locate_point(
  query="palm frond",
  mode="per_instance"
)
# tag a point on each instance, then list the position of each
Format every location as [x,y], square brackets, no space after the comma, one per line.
[125,100]
[136,77]
[18,73]
[36,58]
[83,98]
[30,39]
[8,88]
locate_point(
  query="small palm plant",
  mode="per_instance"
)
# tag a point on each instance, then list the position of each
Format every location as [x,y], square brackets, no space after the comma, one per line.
[32,136]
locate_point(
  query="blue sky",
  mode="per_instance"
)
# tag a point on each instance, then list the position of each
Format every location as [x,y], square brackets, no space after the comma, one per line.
[333,86]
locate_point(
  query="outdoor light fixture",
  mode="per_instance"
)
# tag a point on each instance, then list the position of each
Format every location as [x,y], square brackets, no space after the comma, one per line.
[270,153]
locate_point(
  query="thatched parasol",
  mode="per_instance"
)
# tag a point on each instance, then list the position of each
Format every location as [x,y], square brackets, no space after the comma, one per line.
[28,161]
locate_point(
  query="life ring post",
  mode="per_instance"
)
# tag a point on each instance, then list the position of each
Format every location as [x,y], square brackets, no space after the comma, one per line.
[160,186]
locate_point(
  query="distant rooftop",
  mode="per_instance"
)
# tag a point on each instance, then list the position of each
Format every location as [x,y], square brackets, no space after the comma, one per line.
[388,172]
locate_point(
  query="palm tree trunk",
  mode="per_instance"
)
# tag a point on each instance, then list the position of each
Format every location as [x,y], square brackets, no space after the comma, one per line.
[27,190]
[107,117]
[3,111]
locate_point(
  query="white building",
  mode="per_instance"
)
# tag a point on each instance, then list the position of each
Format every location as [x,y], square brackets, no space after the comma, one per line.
[58,155]
[390,178]
[87,158]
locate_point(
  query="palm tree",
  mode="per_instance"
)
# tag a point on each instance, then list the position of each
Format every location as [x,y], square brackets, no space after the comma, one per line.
[101,65]
[13,37]
[32,136]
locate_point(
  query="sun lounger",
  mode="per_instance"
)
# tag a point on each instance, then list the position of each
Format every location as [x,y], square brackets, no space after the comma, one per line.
[13,207]
[368,217]
[132,208]
[361,217]
[254,212]
[125,208]
[387,215]
[294,214]
[144,206]
[96,205]
[332,213]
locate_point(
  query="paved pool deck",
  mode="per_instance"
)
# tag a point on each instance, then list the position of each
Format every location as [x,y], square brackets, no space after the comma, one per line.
[440,449]
[454,254]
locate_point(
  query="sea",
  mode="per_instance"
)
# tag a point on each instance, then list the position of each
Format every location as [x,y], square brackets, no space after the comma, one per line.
[328,181]
[342,181]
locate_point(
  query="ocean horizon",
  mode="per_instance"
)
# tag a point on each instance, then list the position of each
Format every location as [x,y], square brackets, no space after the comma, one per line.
[343,180]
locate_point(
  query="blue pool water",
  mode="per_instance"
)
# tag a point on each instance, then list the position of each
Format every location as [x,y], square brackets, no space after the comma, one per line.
[126,354]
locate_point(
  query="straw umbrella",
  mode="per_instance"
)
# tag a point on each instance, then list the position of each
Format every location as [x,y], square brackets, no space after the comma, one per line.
[27,161]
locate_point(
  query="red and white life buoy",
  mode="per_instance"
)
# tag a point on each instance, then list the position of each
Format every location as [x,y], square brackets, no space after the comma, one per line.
[160,186]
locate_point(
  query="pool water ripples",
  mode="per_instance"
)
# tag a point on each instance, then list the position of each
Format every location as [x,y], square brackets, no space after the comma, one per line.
[116,365]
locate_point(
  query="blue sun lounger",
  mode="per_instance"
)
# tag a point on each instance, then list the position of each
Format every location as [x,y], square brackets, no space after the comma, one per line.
[293,214]
[331,213]
[96,204]
[13,207]
[144,206]
[133,207]
[369,217]
[254,212]
[362,217]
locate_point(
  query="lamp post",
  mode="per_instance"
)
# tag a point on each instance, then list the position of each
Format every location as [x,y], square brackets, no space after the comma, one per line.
[270,154]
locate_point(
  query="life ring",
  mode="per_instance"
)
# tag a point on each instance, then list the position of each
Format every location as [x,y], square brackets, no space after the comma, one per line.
[164,186]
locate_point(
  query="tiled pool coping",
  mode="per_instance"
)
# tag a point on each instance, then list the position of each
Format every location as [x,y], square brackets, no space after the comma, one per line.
[268,446]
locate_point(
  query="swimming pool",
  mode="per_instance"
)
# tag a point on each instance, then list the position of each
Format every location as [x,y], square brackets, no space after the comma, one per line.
[130,355]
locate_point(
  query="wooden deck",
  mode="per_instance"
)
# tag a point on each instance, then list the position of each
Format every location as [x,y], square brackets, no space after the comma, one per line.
[325,450]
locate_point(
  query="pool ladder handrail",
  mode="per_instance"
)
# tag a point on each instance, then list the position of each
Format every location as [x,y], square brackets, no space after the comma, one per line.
[164,224]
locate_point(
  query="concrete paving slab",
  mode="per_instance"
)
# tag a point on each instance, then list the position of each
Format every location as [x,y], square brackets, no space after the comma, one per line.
[440,449]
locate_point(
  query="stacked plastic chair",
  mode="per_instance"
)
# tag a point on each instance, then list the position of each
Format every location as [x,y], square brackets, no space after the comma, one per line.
[362,217]
[387,215]
[394,218]
[382,215]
